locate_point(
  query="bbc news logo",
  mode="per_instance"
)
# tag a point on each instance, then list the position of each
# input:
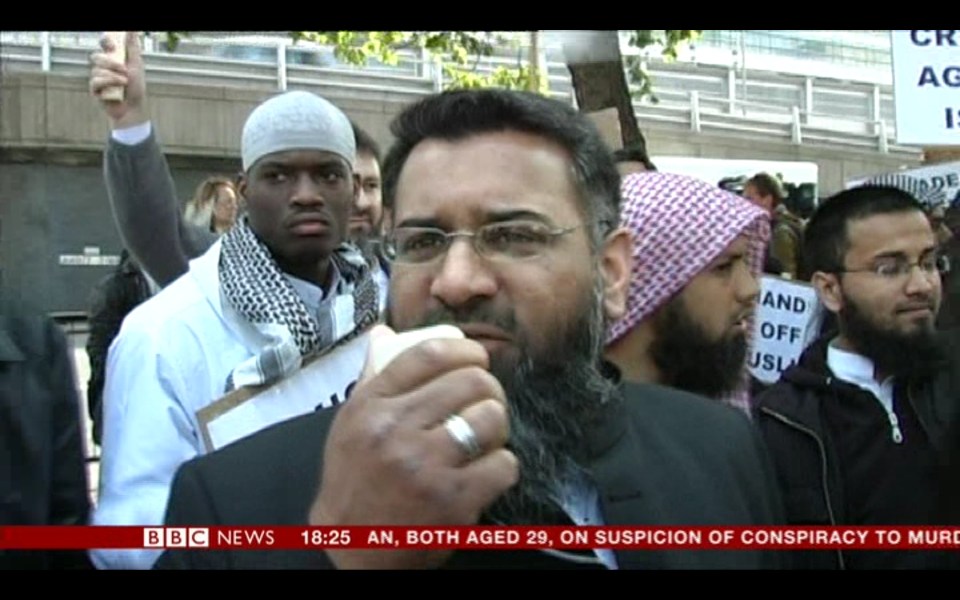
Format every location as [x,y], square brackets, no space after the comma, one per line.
[176,537]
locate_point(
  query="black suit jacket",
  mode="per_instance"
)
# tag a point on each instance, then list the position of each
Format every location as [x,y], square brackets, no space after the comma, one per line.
[659,457]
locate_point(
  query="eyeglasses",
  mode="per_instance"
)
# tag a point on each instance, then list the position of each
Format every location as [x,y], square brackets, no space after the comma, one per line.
[494,241]
[898,268]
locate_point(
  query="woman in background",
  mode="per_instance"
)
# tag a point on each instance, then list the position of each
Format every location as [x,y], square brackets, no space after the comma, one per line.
[214,205]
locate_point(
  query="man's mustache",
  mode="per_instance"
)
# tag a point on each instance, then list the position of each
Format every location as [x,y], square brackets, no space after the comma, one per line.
[918,305]
[486,315]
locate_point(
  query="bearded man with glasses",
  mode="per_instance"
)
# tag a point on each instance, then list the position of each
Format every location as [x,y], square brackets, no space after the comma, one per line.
[858,428]
[505,208]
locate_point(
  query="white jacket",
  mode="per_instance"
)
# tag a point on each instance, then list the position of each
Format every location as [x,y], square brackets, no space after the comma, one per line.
[171,358]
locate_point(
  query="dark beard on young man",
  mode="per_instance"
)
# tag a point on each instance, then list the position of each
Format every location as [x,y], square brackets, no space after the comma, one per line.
[554,395]
[689,360]
[894,353]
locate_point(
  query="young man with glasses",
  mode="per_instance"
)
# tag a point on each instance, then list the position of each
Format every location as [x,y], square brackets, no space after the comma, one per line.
[857,427]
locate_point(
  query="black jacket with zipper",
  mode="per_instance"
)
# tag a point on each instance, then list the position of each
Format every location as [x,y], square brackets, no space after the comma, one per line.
[790,415]
[43,478]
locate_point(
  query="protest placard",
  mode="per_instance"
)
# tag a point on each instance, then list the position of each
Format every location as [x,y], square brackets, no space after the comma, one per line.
[323,382]
[926,82]
[787,320]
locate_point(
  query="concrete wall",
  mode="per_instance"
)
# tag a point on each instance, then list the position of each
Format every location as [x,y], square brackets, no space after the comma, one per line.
[55,111]
[52,198]
[49,209]
[52,111]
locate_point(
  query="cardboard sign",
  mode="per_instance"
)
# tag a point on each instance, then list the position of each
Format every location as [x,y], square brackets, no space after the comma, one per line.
[322,383]
[787,321]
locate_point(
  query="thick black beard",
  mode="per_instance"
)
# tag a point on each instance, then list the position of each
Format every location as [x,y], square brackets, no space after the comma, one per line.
[555,395]
[689,360]
[553,406]
[907,355]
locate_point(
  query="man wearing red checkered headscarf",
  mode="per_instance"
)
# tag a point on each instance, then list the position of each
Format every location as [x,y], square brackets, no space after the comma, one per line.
[697,256]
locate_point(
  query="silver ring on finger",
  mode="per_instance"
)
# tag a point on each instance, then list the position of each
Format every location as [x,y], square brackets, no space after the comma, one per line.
[464,435]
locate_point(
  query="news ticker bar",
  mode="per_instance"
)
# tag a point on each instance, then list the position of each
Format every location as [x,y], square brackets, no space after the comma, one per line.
[484,537]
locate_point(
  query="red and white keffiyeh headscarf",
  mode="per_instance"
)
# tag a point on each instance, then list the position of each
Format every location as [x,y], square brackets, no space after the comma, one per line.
[680,225]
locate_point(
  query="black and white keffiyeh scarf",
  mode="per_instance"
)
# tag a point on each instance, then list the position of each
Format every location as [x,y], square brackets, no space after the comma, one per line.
[256,288]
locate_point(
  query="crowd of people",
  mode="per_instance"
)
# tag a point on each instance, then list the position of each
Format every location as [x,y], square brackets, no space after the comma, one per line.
[607,310]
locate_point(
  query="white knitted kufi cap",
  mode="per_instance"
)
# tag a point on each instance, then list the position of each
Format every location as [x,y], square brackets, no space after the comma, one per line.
[296,121]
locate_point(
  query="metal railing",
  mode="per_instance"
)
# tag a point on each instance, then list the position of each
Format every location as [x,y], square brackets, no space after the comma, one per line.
[698,98]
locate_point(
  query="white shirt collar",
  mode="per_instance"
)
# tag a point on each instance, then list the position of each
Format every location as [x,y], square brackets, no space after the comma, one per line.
[580,499]
[858,370]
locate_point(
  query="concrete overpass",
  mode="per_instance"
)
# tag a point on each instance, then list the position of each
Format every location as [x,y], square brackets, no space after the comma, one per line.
[56,234]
